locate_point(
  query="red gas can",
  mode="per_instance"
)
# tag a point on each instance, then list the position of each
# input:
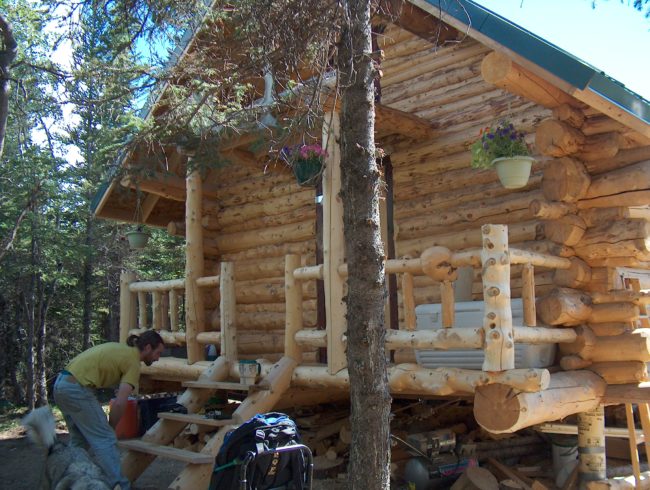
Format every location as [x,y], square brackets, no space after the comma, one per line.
[128,426]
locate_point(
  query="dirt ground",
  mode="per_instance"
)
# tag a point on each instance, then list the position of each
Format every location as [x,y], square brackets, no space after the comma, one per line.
[21,463]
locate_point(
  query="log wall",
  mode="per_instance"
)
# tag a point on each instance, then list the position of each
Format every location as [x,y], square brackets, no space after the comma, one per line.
[584,198]
[253,221]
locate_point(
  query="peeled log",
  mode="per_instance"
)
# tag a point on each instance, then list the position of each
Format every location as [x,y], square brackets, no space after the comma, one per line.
[620,373]
[632,346]
[565,179]
[570,115]
[630,178]
[557,139]
[564,306]
[498,411]
[600,146]
[500,70]
[550,210]
[616,231]
[567,230]
[577,276]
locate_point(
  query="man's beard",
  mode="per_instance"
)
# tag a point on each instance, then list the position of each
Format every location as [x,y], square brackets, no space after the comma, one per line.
[148,363]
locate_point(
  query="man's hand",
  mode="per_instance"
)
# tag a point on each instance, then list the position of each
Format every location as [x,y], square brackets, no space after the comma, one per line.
[119,404]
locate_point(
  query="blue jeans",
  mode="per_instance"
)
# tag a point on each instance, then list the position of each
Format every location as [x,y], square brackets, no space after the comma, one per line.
[89,428]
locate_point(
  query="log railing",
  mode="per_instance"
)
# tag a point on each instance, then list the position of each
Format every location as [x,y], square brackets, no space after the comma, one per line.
[497,335]
[164,299]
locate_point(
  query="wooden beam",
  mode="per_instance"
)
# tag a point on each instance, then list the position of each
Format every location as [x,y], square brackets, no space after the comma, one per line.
[498,69]
[631,393]
[333,247]
[393,121]
[417,21]
[194,267]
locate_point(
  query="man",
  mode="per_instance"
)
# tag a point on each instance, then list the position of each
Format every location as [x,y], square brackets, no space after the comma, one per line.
[103,366]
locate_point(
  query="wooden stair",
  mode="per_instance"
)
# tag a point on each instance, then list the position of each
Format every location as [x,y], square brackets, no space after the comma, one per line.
[226,385]
[193,418]
[260,398]
[183,455]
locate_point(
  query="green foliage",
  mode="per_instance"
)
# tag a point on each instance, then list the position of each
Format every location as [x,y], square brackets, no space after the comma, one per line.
[500,141]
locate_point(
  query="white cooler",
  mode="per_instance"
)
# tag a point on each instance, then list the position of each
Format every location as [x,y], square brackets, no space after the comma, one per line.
[470,314]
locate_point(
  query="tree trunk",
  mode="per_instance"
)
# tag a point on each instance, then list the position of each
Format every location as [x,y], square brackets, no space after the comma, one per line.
[87,283]
[369,396]
[6,58]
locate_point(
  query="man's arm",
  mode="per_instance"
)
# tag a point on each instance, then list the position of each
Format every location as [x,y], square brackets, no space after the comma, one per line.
[119,404]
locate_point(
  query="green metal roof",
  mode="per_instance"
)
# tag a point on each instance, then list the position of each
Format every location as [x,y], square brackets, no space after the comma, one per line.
[545,55]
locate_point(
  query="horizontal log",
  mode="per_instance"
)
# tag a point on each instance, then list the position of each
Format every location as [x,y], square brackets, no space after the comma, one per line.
[293,232]
[573,116]
[474,213]
[498,69]
[565,179]
[601,216]
[622,159]
[632,393]
[306,248]
[613,232]
[609,329]
[630,346]
[498,410]
[564,306]
[638,249]
[550,210]
[151,286]
[269,207]
[567,230]
[448,338]
[403,378]
[529,230]
[618,373]
[631,178]
[623,295]
[557,139]
[305,213]
[263,320]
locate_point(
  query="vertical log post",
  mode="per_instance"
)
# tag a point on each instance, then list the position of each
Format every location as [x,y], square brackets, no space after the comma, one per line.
[528,295]
[173,310]
[333,247]
[293,301]
[142,310]
[156,307]
[591,445]
[447,300]
[194,261]
[497,321]
[128,312]
[634,451]
[408,301]
[164,310]
[227,305]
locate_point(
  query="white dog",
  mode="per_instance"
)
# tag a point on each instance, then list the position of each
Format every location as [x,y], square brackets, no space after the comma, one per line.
[66,467]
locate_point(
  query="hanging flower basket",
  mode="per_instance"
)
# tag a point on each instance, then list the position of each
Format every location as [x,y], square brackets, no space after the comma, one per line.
[513,172]
[137,238]
[308,172]
[505,148]
[306,161]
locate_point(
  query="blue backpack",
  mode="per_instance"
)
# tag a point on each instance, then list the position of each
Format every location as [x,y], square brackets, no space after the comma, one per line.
[252,444]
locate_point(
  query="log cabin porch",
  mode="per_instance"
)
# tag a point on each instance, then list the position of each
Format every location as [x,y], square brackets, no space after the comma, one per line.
[265,263]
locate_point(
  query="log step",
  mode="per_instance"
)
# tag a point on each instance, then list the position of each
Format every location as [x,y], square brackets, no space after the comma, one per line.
[183,455]
[192,418]
[225,385]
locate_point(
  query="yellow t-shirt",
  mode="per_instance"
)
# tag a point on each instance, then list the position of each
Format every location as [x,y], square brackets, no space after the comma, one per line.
[107,365]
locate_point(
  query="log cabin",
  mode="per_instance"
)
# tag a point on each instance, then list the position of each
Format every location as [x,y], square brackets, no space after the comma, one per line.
[266,270]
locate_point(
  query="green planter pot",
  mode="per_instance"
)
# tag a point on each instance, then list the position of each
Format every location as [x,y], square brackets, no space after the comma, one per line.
[137,238]
[308,172]
[513,172]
